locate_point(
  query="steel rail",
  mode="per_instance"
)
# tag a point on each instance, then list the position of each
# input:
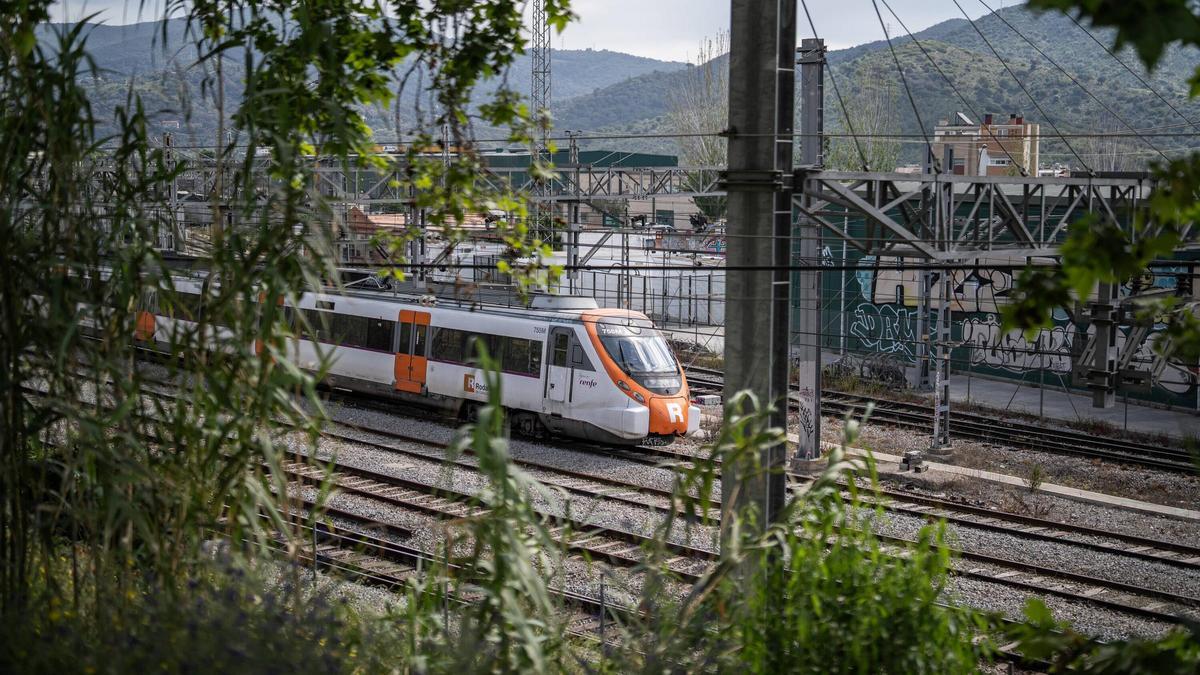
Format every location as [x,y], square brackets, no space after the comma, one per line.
[1039,571]
[988,429]
[579,536]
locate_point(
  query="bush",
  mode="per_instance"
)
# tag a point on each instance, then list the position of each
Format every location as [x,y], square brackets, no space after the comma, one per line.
[220,620]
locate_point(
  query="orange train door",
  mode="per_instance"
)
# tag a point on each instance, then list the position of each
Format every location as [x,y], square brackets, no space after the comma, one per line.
[411,361]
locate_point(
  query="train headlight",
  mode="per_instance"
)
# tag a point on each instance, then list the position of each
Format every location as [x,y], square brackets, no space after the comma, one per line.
[622,385]
[638,397]
[664,385]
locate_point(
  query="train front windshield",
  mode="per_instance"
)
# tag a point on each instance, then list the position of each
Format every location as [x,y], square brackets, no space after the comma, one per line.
[643,354]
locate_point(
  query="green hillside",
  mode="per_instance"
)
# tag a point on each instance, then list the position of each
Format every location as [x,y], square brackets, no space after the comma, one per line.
[158,61]
[606,92]
[983,81]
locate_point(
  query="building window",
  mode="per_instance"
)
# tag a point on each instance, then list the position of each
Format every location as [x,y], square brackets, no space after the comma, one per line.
[664,217]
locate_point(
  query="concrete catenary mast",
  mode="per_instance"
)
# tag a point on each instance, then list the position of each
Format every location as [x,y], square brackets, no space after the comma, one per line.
[762,83]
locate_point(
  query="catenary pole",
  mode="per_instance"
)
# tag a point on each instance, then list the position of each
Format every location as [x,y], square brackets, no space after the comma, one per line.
[758,181]
[807,345]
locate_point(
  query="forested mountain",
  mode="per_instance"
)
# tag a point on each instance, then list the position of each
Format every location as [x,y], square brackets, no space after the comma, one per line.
[151,57]
[983,81]
[604,91]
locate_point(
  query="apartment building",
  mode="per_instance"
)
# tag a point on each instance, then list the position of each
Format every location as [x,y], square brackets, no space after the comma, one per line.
[992,147]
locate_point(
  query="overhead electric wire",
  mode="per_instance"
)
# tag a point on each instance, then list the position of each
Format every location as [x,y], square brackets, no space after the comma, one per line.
[970,108]
[1133,72]
[907,90]
[1147,132]
[1071,77]
[866,165]
[1021,84]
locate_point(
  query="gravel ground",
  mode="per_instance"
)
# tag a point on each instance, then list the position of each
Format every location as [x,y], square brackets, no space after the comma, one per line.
[621,585]
[624,586]
[567,460]
[1160,487]
[443,431]
[600,512]
[1111,567]
[370,600]
[1014,499]
[1087,619]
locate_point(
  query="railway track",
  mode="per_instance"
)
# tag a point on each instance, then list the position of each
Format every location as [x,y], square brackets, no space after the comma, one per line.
[367,559]
[618,547]
[987,429]
[615,546]
[1027,577]
[894,501]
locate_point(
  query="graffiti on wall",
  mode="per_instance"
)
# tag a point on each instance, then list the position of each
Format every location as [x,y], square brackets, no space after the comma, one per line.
[884,320]
[1050,350]
[885,328]
[973,290]
[1011,350]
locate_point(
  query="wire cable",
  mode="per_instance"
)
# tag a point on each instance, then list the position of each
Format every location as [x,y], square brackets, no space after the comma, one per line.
[936,162]
[1021,84]
[963,99]
[1133,72]
[838,93]
[1071,77]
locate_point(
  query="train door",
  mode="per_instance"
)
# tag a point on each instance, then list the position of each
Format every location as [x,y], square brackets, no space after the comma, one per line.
[558,372]
[411,361]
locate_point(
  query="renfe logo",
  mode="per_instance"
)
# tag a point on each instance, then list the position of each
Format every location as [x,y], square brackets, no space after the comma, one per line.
[473,386]
[675,410]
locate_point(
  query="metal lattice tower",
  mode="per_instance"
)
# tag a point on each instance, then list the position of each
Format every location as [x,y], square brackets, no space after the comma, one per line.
[540,105]
[540,94]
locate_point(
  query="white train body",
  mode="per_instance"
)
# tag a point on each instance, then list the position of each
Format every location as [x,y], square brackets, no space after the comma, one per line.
[599,374]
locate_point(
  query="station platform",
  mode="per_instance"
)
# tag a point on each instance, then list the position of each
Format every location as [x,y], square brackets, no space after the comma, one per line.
[1055,404]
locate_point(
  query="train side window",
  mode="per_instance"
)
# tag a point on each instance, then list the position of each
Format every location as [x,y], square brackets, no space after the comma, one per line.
[516,355]
[561,341]
[470,348]
[379,334]
[318,325]
[447,345]
[522,356]
[349,331]
[579,359]
[419,337]
[535,357]
[406,338]
[497,350]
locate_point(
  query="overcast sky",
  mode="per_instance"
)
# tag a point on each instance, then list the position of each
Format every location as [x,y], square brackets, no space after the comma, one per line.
[662,29]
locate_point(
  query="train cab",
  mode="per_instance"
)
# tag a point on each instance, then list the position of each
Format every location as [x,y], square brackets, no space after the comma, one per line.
[636,358]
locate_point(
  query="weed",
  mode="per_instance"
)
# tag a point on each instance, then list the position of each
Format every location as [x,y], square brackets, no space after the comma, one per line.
[1033,480]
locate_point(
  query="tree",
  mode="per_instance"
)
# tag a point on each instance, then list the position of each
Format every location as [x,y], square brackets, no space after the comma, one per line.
[105,486]
[698,110]
[1098,251]
[1110,151]
[870,115]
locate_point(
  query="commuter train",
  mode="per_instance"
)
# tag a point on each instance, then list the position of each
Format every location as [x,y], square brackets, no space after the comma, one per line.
[566,366]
